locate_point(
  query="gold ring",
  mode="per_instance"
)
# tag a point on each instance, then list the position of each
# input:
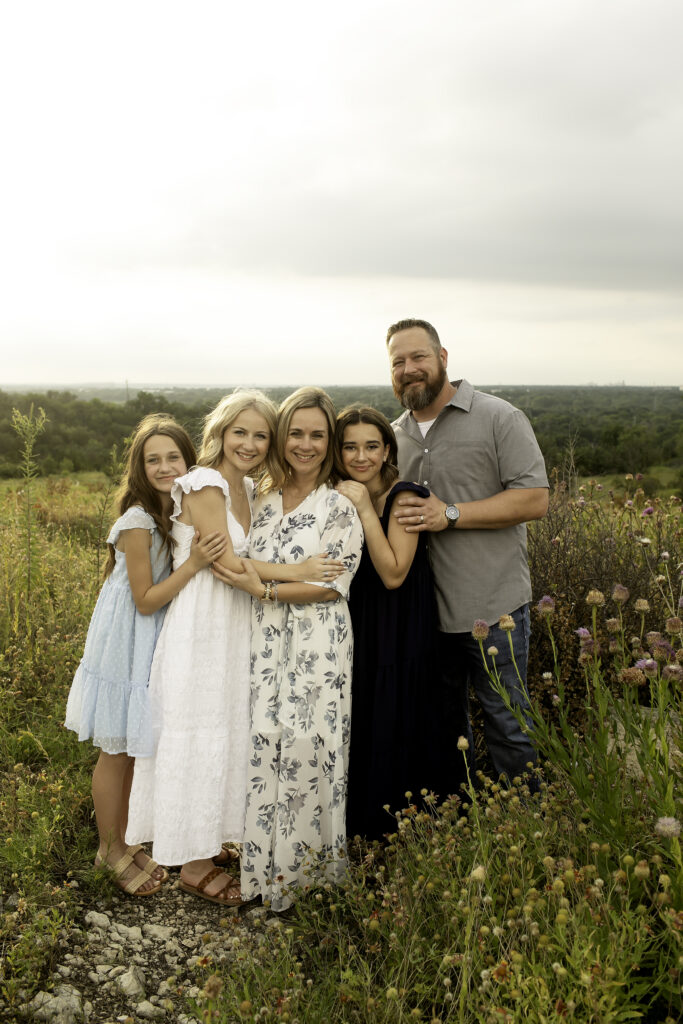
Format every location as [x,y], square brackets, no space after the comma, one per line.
[422,518]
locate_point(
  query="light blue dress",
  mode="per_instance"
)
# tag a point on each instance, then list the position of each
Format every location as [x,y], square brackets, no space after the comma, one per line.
[109,697]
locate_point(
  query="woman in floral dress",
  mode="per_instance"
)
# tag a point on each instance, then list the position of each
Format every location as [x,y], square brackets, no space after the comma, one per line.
[302,650]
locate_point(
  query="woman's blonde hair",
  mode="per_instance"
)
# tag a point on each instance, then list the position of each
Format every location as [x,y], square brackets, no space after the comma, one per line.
[225,413]
[304,398]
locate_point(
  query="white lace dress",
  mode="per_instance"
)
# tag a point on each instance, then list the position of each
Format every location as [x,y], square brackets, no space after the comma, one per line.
[189,798]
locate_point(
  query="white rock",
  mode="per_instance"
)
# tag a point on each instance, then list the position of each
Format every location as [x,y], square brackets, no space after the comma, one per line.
[132,983]
[133,934]
[149,1011]
[97,920]
[62,1006]
[157,931]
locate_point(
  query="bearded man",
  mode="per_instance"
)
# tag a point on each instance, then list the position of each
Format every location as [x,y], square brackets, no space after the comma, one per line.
[479,457]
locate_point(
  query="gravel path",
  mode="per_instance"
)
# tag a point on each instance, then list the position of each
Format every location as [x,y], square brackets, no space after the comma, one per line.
[139,960]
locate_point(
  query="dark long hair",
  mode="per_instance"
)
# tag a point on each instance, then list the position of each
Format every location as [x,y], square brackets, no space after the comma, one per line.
[354,414]
[135,488]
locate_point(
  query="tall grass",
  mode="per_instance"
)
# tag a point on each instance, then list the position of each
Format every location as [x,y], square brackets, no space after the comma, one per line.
[497,905]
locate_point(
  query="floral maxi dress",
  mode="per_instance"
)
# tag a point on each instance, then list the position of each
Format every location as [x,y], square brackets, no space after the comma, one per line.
[301,660]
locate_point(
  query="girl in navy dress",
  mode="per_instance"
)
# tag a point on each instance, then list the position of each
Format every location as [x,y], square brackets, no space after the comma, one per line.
[396,744]
[109,702]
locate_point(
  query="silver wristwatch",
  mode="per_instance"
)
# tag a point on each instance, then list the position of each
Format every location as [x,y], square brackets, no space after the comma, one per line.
[452,515]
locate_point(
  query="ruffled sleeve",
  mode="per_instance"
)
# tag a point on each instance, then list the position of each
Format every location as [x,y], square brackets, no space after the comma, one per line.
[196,480]
[342,537]
[134,518]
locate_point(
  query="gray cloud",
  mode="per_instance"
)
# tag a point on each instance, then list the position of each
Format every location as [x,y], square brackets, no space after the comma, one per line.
[525,142]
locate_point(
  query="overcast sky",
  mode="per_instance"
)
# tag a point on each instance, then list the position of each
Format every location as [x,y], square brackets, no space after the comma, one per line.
[224,193]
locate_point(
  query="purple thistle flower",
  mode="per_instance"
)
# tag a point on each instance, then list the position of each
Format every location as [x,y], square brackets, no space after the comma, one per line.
[546,606]
[620,593]
[480,629]
[583,633]
[647,511]
[648,666]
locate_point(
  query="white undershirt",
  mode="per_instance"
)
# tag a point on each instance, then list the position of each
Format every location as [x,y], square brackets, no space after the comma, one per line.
[424,425]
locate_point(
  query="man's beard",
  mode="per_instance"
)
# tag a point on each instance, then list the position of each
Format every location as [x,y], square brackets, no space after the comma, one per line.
[418,398]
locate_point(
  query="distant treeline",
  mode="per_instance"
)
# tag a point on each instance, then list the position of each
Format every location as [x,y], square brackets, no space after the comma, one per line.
[605,429]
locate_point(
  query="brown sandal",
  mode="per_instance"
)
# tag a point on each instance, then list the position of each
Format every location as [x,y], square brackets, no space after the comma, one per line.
[132,887]
[224,900]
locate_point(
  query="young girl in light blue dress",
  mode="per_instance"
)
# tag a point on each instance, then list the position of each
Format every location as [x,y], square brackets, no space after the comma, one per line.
[109,701]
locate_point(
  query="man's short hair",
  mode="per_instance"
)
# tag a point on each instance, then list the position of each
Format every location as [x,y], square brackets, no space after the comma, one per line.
[405,325]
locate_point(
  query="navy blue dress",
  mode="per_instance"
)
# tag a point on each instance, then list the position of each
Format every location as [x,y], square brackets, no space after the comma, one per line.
[396,724]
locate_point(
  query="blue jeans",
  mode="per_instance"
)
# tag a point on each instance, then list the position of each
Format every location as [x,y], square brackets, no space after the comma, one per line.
[460,661]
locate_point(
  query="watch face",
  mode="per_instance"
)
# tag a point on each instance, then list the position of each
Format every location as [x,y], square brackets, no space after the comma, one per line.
[452,513]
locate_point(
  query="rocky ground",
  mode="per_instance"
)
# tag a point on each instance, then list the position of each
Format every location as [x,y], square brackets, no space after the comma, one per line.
[138,960]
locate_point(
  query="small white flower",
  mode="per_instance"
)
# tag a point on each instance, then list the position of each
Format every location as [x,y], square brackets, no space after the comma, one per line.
[670,828]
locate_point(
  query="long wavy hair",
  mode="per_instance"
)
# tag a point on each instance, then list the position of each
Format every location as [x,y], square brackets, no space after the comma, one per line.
[349,417]
[304,398]
[135,488]
[225,413]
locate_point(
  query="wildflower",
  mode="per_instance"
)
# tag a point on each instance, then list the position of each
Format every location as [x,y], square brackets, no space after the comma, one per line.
[612,625]
[632,676]
[670,828]
[555,698]
[644,541]
[642,870]
[629,504]
[653,637]
[213,986]
[662,651]
[480,630]
[506,623]
[674,624]
[463,743]
[664,557]
[629,476]
[546,606]
[672,673]
[595,597]
[660,579]
[648,666]
[583,633]
[478,874]
[392,993]
[648,511]
[547,676]
[642,605]
[613,646]
[492,652]
[620,593]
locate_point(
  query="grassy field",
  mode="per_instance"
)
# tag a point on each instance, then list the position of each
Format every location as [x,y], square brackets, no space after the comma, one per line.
[497,905]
